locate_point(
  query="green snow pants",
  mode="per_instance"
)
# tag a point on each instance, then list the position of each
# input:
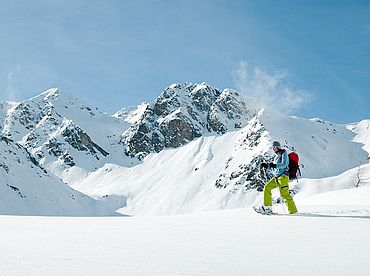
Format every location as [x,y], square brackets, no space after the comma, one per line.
[283,183]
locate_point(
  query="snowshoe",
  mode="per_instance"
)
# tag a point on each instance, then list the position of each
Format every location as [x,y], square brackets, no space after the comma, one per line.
[264,210]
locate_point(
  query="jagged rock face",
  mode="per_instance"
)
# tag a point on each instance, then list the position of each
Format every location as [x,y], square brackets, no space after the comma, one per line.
[56,126]
[178,131]
[79,140]
[245,175]
[71,136]
[182,113]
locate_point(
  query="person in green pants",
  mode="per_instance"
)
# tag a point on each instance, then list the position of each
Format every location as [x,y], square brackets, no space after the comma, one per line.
[281,179]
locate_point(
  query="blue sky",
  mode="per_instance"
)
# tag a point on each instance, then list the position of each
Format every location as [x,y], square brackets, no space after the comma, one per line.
[310,58]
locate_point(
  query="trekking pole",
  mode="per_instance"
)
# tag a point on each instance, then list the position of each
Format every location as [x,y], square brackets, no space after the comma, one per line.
[281,197]
[264,174]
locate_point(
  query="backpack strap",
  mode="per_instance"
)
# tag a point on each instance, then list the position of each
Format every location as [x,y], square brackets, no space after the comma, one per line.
[281,154]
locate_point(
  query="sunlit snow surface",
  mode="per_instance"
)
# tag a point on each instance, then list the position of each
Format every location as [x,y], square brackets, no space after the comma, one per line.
[229,242]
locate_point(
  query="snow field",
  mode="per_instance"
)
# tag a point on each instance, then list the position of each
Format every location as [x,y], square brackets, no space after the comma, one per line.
[229,242]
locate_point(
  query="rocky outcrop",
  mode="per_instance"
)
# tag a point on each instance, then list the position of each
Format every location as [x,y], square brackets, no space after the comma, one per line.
[182,113]
[56,126]
[247,175]
[79,140]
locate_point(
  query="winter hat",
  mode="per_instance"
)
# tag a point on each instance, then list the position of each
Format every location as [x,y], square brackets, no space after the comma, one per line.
[276,144]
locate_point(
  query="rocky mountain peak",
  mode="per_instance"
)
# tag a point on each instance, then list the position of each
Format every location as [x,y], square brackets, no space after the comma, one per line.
[182,113]
[131,114]
[57,127]
[55,94]
[51,94]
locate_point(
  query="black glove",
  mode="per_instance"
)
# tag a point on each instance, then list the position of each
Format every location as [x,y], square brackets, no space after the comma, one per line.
[264,165]
[272,165]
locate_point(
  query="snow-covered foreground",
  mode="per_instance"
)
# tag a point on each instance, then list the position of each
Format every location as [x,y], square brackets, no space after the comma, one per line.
[229,242]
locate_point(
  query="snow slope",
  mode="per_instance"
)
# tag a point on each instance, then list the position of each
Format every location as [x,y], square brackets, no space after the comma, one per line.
[232,242]
[328,237]
[132,114]
[26,188]
[362,129]
[184,180]
[325,148]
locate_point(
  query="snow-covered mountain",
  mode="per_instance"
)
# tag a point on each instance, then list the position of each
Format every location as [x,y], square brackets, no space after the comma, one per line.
[48,134]
[219,171]
[182,113]
[193,148]
[26,188]
[57,123]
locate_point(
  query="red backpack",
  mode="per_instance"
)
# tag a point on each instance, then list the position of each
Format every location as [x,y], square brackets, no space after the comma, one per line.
[293,165]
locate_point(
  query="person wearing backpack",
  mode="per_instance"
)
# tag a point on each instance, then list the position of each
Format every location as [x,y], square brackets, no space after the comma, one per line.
[279,167]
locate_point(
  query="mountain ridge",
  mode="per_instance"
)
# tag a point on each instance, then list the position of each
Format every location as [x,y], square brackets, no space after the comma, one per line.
[114,158]
[182,113]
